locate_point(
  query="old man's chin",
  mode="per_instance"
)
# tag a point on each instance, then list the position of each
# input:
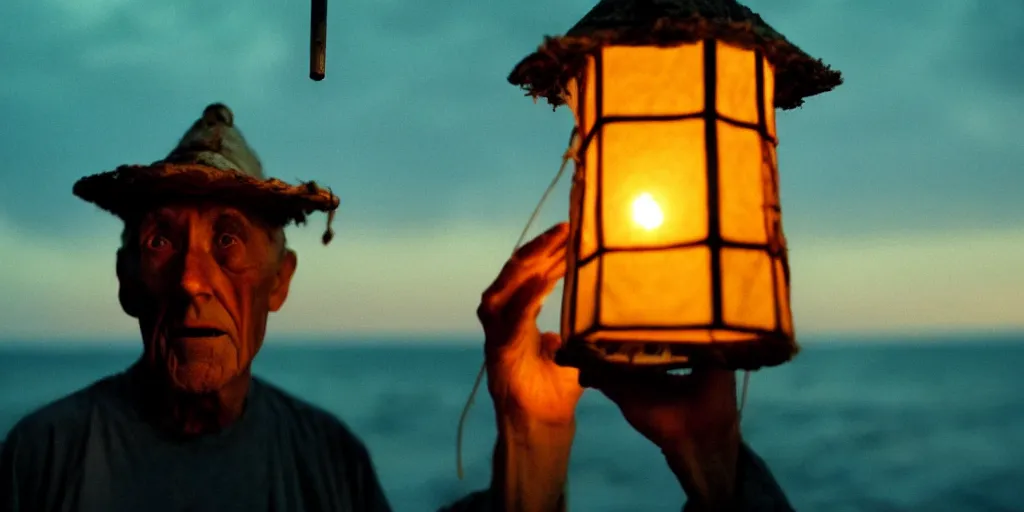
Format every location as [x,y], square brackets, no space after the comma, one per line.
[201,365]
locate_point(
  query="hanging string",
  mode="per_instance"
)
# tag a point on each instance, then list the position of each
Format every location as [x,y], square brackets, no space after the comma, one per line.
[743,396]
[570,154]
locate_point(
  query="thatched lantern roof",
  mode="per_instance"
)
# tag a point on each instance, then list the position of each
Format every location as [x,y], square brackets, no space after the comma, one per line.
[546,72]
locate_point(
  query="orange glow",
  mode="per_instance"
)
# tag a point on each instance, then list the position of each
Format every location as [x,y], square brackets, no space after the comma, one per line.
[646,212]
[648,266]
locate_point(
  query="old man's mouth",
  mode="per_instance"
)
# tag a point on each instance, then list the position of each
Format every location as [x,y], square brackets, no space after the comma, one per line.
[196,332]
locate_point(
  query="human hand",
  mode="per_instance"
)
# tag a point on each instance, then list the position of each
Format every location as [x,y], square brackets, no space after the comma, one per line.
[522,377]
[692,418]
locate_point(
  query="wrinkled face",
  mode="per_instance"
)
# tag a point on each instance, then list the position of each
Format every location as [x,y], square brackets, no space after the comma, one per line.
[201,279]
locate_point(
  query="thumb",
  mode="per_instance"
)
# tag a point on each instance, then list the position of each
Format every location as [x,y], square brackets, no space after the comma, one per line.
[511,329]
[550,342]
[526,302]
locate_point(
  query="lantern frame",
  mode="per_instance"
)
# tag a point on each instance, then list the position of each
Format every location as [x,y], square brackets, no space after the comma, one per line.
[560,63]
[765,347]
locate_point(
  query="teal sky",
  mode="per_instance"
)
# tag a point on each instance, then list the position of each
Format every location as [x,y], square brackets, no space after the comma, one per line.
[902,189]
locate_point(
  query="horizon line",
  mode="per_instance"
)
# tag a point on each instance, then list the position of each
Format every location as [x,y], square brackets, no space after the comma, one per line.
[429,340]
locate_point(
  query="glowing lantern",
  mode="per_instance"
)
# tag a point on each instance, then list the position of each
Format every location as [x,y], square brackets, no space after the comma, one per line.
[676,256]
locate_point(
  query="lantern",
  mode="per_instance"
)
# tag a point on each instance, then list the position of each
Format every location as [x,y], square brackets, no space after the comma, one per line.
[676,255]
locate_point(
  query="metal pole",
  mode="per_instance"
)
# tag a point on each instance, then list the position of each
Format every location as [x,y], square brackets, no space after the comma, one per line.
[318,40]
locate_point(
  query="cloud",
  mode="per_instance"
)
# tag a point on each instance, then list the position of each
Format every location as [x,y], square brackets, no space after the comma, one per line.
[916,138]
[960,280]
[415,114]
[985,49]
[429,282]
[394,282]
[426,144]
[415,122]
[114,43]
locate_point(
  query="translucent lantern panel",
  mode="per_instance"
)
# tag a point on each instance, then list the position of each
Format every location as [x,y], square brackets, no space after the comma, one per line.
[748,292]
[656,288]
[736,83]
[773,211]
[653,183]
[586,296]
[782,296]
[741,185]
[589,93]
[571,96]
[588,219]
[568,304]
[580,97]
[769,98]
[568,299]
[653,81]
[770,172]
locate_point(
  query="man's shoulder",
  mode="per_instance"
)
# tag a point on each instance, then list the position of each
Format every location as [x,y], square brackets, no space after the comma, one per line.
[69,413]
[52,434]
[307,422]
[323,447]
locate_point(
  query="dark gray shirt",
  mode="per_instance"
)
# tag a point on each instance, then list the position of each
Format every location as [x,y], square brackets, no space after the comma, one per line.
[92,451]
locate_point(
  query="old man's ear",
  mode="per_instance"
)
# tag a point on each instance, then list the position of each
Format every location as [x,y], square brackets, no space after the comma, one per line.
[130,287]
[283,279]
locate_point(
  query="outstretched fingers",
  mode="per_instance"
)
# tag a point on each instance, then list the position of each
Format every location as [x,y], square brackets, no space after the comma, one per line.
[509,307]
[543,259]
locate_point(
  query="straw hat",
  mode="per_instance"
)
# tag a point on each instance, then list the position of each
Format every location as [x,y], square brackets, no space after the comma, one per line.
[546,72]
[211,162]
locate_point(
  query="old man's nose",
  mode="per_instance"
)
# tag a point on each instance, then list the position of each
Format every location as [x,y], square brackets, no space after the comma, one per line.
[196,276]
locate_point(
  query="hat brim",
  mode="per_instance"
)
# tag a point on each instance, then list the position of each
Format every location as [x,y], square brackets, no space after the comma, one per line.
[133,189]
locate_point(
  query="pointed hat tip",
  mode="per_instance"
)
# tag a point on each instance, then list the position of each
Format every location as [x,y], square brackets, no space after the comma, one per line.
[218,113]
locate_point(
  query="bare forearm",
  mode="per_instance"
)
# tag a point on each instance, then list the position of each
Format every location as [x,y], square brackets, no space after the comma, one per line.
[531,465]
[707,471]
[718,480]
[758,491]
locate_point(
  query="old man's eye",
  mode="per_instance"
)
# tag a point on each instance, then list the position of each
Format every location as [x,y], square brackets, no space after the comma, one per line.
[225,240]
[157,243]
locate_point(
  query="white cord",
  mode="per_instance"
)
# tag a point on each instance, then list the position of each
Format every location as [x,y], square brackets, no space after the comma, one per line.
[570,154]
[743,396]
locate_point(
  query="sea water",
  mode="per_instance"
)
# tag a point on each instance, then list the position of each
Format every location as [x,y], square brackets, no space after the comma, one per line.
[927,425]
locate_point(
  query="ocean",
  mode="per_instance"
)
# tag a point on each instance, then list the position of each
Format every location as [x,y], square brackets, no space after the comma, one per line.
[928,425]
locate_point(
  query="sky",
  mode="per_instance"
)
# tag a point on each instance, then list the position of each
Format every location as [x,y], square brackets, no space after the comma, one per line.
[901,189]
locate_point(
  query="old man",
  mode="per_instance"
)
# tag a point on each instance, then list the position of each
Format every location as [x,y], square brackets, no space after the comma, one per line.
[203,261]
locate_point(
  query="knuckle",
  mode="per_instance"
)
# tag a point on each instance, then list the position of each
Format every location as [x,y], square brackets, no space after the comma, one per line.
[514,262]
[485,311]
